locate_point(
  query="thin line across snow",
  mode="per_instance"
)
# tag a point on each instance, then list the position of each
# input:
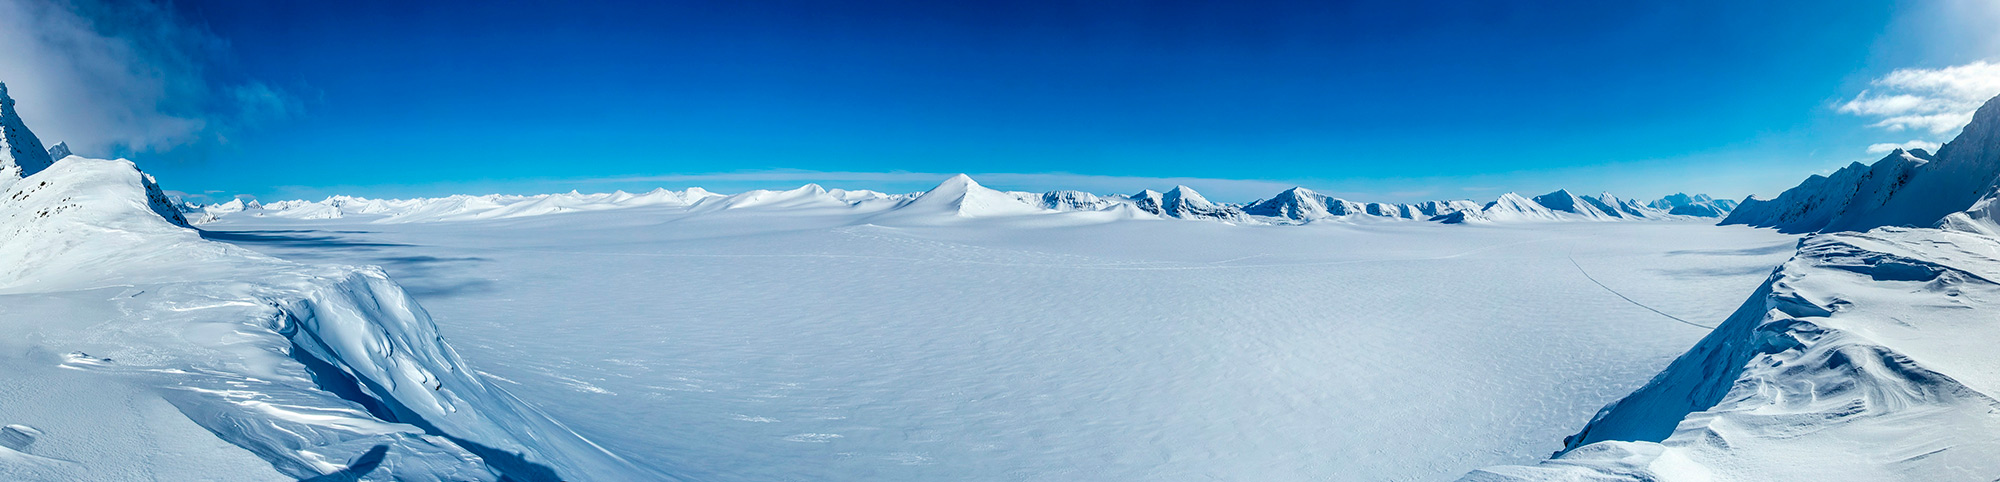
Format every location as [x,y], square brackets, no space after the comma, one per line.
[1600,284]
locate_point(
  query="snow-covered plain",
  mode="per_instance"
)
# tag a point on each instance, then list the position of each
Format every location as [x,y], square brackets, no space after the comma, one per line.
[813,344]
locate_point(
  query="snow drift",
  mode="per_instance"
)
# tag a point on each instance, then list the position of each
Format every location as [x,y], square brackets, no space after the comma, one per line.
[1855,361]
[1865,357]
[316,370]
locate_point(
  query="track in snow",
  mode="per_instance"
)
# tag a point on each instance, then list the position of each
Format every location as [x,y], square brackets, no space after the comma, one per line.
[1628,299]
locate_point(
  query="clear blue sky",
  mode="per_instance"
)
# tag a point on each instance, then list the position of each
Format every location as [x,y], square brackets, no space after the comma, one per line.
[1380,100]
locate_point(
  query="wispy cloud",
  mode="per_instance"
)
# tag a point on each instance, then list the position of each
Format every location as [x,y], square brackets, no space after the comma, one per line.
[1935,100]
[1887,147]
[113,78]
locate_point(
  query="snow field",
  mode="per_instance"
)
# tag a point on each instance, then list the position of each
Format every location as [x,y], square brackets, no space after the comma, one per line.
[771,346]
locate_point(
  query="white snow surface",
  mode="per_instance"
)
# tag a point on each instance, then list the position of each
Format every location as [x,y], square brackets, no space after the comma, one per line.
[1867,356]
[1864,358]
[137,350]
[829,341]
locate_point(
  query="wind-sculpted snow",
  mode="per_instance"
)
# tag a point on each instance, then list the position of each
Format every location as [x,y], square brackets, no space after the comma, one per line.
[316,370]
[1866,357]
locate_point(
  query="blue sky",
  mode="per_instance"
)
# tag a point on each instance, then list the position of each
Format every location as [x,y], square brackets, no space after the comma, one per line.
[1390,101]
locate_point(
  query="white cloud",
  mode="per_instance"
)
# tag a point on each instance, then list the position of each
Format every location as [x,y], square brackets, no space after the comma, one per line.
[114,79]
[1887,147]
[1935,100]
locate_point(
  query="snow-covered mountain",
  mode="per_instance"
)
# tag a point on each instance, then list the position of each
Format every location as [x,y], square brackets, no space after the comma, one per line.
[59,151]
[1303,205]
[21,154]
[133,337]
[1865,357]
[1696,205]
[961,196]
[1906,188]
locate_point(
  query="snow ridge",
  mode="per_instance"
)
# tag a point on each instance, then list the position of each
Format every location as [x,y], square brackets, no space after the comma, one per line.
[314,369]
[1856,360]
[1910,188]
[21,154]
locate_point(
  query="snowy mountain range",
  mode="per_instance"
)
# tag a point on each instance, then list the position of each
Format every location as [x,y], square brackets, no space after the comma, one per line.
[1910,188]
[1866,357]
[962,197]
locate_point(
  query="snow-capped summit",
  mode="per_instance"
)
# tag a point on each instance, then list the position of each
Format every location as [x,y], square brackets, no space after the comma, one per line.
[1694,205]
[961,196]
[1071,201]
[21,154]
[1183,202]
[1297,203]
[1905,188]
[59,151]
[1587,208]
[1514,207]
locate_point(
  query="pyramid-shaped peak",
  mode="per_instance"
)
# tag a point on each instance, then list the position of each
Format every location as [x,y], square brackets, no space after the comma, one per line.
[59,151]
[1187,195]
[21,154]
[810,189]
[1298,192]
[957,185]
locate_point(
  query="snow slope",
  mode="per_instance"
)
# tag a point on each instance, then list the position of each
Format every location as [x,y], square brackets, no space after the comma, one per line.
[961,197]
[1860,359]
[1865,357]
[21,154]
[1696,205]
[1906,188]
[138,350]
